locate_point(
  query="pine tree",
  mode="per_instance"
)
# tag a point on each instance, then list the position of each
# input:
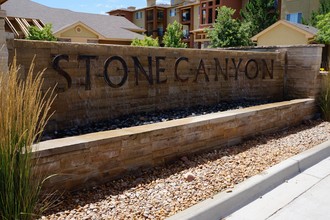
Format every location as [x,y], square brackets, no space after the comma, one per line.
[260,13]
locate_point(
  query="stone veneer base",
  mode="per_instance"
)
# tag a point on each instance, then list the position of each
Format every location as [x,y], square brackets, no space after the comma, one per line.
[95,158]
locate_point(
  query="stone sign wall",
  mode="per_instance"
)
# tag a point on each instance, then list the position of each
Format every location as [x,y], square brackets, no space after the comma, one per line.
[97,82]
[302,66]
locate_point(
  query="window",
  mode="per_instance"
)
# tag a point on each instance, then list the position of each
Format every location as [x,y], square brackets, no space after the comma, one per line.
[138,15]
[160,15]
[276,4]
[186,15]
[150,15]
[172,2]
[294,17]
[78,29]
[150,29]
[210,16]
[172,12]
[185,34]
[203,16]
[160,31]
[208,12]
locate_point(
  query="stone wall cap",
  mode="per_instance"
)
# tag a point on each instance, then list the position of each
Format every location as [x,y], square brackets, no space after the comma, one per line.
[269,47]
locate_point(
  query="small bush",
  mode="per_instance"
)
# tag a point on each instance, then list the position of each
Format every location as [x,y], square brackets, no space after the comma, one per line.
[323,25]
[324,100]
[173,36]
[227,31]
[44,34]
[145,42]
[23,115]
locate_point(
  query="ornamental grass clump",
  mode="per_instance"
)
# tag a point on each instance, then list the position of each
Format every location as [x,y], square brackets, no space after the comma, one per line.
[324,100]
[23,115]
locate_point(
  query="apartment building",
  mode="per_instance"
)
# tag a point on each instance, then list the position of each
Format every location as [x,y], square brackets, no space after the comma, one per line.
[297,10]
[207,15]
[194,15]
[153,18]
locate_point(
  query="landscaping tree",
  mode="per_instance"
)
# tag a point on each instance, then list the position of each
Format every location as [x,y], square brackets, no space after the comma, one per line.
[323,9]
[173,36]
[228,32]
[41,34]
[323,26]
[145,42]
[260,14]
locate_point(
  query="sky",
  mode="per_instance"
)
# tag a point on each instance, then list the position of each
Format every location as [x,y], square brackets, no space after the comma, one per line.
[95,6]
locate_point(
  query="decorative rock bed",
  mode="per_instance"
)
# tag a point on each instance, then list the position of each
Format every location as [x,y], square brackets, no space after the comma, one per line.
[162,191]
[152,117]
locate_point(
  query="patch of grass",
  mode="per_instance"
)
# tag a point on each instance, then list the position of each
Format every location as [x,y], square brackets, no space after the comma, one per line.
[23,115]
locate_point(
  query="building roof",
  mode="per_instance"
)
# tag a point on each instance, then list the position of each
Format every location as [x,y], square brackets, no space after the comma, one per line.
[308,31]
[111,27]
[306,28]
[123,9]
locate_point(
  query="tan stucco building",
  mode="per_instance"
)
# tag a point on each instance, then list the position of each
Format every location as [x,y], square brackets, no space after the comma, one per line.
[285,33]
[68,25]
[297,10]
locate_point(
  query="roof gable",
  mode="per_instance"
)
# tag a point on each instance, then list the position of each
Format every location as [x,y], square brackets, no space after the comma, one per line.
[308,31]
[76,29]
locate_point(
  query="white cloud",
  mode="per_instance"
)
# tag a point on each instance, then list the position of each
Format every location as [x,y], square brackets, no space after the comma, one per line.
[163,2]
[103,6]
[113,1]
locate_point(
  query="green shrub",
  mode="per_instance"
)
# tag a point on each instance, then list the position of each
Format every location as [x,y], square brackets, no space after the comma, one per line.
[23,115]
[145,42]
[323,25]
[173,36]
[323,9]
[324,100]
[227,31]
[44,34]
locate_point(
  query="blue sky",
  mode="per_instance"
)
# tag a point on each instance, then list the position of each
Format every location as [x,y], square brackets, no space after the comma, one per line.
[95,6]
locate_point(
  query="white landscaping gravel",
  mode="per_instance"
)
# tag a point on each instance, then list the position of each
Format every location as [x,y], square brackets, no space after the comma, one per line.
[162,191]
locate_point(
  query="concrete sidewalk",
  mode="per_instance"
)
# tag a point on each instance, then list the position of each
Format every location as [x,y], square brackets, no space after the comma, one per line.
[304,197]
[297,188]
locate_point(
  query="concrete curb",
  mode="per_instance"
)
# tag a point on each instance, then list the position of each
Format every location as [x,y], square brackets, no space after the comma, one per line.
[223,204]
